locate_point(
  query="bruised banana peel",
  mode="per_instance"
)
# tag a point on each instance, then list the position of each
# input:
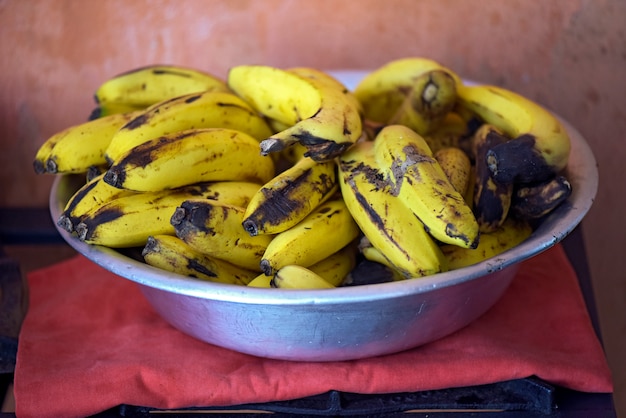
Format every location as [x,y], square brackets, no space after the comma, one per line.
[491,198]
[539,144]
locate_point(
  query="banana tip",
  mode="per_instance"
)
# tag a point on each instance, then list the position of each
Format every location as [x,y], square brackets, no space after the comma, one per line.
[251,228]
[39,167]
[266,267]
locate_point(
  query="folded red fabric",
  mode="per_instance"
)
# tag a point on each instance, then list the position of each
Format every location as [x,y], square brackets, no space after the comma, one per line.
[90,341]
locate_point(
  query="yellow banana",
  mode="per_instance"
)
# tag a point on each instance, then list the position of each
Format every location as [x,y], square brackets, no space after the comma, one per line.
[90,196]
[194,111]
[215,229]
[129,220]
[290,196]
[382,92]
[537,200]
[97,192]
[275,93]
[419,181]
[262,281]
[276,126]
[145,86]
[504,237]
[538,145]
[319,115]
[457,165]
[319,77]
[298,277]
[79,147]
[323,232]
[492,199]
[385,220]
[430,98]
[336,267]
[188,157]
[172,254]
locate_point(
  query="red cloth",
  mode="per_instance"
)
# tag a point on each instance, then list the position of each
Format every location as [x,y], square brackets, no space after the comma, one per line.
[91,341]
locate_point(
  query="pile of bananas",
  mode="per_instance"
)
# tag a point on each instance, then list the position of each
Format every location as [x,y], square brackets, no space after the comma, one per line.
[285,178]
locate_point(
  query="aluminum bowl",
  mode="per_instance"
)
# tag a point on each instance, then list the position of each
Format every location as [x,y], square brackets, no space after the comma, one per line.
[343,323]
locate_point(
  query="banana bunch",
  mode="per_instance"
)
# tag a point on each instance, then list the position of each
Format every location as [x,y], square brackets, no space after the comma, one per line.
[388,223]
[129,218]
[284,178]
[414,92]
[538,145]
[209,109]
[314,109]
[142,87]
[80,147]
[191,156]
[171,253]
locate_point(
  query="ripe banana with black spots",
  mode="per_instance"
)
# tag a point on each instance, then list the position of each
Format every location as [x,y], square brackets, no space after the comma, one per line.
[384,219]
[79,147]
[418,180]
[457,165]
[323,232]
[145,86]
[537,200]
[172,254]
[215,229]
[492,199]
[506,236]
[294,276]
[317,112]
[188,157]
[129,220]
[97,192]
[538,145]
[87,198]
[290,196]
[209,109]
[383,91]
[431,97]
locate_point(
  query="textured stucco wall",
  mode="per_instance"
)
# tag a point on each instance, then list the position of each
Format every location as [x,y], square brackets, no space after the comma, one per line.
[569,55]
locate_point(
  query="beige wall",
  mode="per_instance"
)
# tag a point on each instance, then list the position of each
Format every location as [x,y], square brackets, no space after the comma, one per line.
[567,54]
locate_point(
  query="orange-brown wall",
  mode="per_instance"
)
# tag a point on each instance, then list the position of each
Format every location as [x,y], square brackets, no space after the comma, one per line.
[569,55]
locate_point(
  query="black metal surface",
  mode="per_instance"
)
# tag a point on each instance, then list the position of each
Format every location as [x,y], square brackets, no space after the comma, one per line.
[529,397]
[12,310]
[27,226]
